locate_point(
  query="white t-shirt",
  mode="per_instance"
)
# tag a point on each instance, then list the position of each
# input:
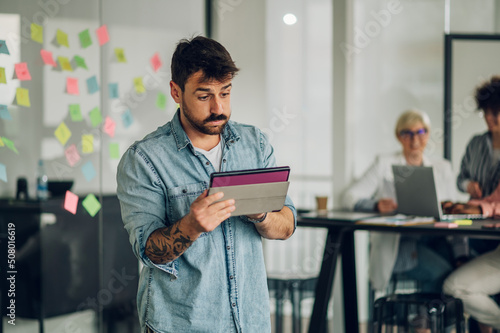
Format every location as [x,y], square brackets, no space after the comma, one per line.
[214,155]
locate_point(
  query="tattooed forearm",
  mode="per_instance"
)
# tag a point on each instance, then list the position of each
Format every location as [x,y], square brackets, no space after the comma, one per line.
[167,244]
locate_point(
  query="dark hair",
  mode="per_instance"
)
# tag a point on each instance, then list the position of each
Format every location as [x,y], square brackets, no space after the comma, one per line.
[488,95]
[201,53]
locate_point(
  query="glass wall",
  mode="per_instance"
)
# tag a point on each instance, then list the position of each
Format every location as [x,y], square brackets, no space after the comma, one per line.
[79,82]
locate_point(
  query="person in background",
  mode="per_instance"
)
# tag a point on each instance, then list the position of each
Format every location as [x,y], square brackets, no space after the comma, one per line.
[479,176]
[203,268]
[427,260]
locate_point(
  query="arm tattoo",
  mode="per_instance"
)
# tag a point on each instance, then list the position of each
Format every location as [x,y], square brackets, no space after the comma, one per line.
[167,244]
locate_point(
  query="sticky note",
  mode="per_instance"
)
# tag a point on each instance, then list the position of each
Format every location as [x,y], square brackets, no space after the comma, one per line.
[62,133]
[85,40]
[72,86]
[9,144]
[463,222]
[109,126]
[22,72]
[3,79]
[1,143]
[127,118]
[156,62]
[92,85]
[95,116]
[88,171]
[138,85]
[4,112]
[62,38]
[91,204]
[113,90]
[47,58]
[161,100]
[75,113]
[23,97]
[72,155]
[120,55]
[3,172]
[71,202]
[37,33]
[114,151]
[3,47]
[65,64]
[445,225]
[102,35]
[87,143]
[80,62]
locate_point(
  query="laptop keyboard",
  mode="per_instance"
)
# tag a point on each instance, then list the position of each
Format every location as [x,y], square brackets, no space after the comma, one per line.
[463,217]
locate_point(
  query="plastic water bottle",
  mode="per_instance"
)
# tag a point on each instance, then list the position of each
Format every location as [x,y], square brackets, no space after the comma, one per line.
[42,189]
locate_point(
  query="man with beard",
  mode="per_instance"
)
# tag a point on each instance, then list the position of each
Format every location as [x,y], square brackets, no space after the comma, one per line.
[203,268]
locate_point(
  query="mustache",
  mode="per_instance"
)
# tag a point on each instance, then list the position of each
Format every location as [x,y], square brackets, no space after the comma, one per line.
[214,117]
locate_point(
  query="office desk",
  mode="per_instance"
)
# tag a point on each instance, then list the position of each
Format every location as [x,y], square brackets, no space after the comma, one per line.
[340,240]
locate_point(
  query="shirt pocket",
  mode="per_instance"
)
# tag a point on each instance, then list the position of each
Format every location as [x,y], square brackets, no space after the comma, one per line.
[180,199]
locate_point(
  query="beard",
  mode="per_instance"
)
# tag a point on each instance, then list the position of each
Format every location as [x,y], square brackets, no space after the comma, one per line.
[201,125]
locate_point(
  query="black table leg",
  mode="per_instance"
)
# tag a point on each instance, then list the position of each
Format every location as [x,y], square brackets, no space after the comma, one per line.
[318,323]
[349,283]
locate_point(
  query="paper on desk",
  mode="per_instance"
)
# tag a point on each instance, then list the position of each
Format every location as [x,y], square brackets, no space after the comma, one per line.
[398,220]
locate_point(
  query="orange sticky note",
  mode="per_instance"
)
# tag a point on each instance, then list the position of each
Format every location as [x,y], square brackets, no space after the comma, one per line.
[47,58]
[23,97]
[156,62]
[72,155]
[71,202]
[22,72]
[109,126]
[102,35]
[72,86]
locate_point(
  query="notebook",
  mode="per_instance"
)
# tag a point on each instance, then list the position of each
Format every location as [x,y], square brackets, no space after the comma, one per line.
[255,191]
[416,193]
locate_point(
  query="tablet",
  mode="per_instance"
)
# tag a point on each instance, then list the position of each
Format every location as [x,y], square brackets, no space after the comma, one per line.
[255,191]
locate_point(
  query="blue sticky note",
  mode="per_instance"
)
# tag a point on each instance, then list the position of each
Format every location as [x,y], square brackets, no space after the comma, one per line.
[3,47]
[3,173]
[113,90]
[92,85]
[127,118]
[88,171]
[4,112]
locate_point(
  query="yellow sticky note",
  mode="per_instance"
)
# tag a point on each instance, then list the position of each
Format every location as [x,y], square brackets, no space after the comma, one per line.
[62,38]
[120,55]
[65,64]
[87,143]
[23,97]
[463,222]
[1,143]
[3,79]
[62,133]
[37,33]
[138,85]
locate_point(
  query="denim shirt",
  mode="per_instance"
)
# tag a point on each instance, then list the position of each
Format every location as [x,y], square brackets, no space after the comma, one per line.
[219,283]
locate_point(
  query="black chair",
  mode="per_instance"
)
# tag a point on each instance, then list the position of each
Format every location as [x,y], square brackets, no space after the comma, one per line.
[420,310]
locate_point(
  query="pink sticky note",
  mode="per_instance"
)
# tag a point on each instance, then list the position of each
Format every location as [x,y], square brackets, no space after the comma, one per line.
[70,202]
[109,126]
[22,71]
[72,86]
[156,62]
[445,225]
[47,58]
[102,35]
[72,155]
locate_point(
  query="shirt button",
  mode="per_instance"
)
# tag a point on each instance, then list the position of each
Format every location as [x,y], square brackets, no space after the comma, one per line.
[229,247]
[208,163]
[234,304]
[231,277]
[224,161]
[184,191]
[232,141]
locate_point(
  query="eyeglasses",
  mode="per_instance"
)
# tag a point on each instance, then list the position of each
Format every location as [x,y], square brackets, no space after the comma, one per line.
[409,135]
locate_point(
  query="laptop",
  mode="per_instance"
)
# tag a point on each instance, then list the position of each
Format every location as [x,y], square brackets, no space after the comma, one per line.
[416,193]
[254,190]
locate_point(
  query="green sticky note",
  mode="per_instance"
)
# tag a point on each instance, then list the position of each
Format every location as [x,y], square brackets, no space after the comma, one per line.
[10,144]
[114,151]
[161,100]
[95,116]
[62,38]
[3,79]
[80,62]
[75,112]
[91,204]
[85,40]
[37,33]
